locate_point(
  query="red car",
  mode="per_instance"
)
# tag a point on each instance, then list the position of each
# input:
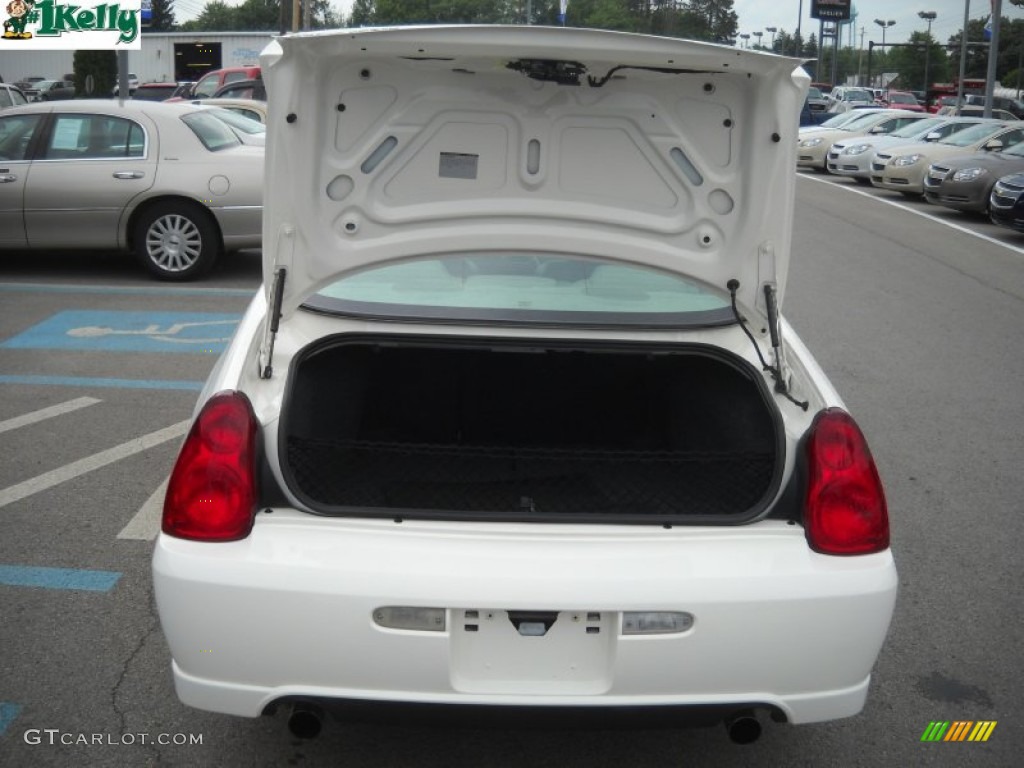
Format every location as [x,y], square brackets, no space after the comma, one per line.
[903,100]
[212,81]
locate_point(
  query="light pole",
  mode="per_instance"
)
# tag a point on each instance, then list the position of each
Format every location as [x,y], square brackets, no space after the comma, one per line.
[1020,50]
[798,41]
[928,16]
[884,25]
[744,37]
[773,30]
[758,35]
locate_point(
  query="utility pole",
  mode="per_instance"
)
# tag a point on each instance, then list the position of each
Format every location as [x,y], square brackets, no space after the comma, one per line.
[993,56]
[860,59]
[963,54]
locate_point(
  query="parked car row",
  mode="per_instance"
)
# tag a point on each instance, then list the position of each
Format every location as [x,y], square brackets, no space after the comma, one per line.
[970,164]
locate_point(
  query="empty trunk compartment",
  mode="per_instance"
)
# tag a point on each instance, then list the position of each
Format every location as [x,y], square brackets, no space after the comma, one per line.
[404,426]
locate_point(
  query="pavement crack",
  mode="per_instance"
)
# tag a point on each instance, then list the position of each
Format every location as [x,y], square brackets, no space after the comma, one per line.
[122,715]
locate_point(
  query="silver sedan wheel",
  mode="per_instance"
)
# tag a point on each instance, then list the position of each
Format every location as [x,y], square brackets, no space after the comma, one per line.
[176,240]
[174,243]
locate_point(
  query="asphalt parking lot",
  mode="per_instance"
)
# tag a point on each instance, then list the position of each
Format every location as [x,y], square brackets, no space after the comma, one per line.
[911,314]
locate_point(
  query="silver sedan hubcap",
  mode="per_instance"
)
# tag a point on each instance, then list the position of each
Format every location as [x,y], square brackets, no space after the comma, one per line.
[174,243]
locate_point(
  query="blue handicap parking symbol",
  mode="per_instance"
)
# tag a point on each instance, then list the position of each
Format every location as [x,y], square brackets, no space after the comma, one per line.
[181,332]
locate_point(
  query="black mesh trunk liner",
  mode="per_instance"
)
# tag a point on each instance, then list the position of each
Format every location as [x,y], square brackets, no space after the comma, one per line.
[532,481]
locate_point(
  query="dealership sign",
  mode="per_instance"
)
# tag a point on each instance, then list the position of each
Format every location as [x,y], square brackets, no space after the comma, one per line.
[830,10]
[53,25]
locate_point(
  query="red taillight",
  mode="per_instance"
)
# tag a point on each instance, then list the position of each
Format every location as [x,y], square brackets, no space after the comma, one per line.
[211,495]
[844,511]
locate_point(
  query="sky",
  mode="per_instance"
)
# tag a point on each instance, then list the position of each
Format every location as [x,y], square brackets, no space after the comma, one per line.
[755,15]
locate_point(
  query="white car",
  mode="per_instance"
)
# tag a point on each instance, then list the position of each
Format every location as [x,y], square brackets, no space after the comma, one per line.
[515,419]
[903,168]
[172,183]
[844,98]
[852,157]
[813,146]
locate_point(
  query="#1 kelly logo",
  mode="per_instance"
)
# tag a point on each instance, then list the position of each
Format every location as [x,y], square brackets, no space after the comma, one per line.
[52,25]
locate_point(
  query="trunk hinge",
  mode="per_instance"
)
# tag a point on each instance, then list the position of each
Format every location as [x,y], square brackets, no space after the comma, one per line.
[266,358]
[779,371]
[771,306]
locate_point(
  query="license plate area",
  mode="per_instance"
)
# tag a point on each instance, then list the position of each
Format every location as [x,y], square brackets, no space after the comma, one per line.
[531,652]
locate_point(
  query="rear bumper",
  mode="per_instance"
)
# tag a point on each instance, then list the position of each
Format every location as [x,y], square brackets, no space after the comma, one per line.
[288,613]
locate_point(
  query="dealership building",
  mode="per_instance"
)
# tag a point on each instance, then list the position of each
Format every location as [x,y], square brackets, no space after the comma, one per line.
[163,57]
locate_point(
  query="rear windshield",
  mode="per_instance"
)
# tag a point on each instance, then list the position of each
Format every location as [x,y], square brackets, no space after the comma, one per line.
[211,131]
[525,288]
[239,121]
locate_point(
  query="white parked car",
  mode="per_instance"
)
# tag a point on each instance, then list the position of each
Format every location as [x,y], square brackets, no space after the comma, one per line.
[843,98]
[903,168]
[813,145]
[173,183]
[852,157]
[515,418]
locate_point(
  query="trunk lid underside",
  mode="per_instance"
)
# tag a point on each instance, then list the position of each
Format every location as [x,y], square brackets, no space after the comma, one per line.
[389,144]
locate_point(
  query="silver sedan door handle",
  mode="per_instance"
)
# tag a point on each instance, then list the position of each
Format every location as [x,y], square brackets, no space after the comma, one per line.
[128,174]
[7,178]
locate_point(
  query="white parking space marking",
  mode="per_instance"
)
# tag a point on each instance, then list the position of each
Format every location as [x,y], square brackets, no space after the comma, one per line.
[923,215]
[146,523]
[47,413]
[103,458]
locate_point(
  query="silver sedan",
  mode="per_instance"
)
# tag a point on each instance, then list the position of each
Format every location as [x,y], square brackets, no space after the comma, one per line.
[170,182]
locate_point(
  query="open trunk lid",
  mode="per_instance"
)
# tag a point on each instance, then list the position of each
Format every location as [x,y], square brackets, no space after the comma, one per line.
[391,144]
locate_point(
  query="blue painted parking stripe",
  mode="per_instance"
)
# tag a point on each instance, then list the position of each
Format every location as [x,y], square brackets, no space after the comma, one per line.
[84,381]
[8,712]
[124,290]
[58,578]
[112,331]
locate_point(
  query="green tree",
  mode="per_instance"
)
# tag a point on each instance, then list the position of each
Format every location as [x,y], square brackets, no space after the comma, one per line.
[256,16]
[364,13]
[101,65]
[910,62]
[722,21]
[216,15]
[162,19]
[810,48]
[977,55]
[446,12]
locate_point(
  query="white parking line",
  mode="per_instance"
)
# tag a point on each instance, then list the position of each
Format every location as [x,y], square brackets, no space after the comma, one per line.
[146,523]
[103,458]
[47,413]
[950,224]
